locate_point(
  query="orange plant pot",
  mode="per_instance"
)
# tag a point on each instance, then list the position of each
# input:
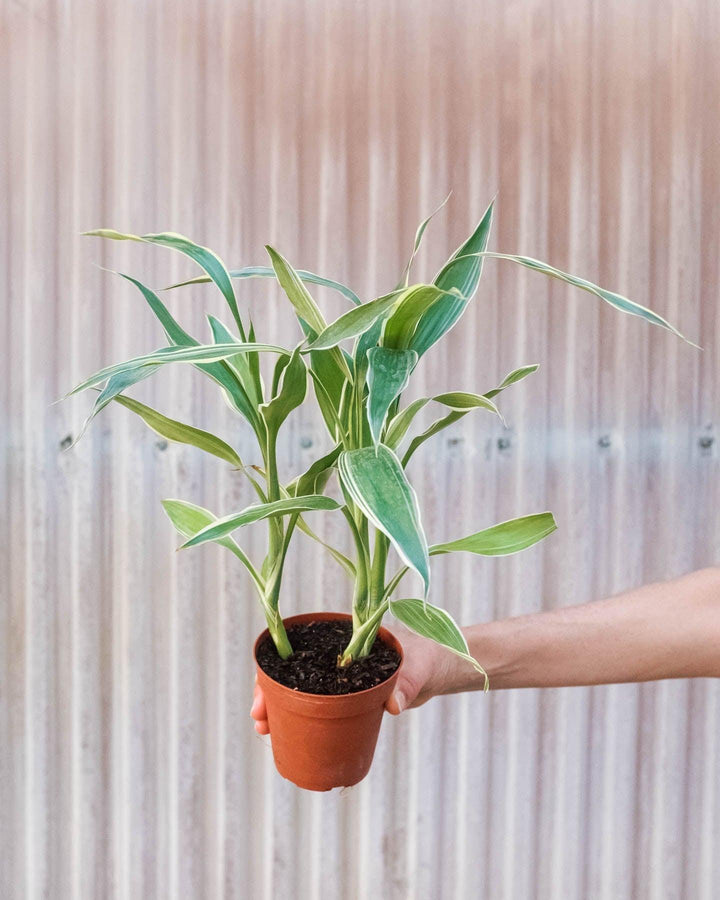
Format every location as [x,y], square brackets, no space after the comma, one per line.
[323,741]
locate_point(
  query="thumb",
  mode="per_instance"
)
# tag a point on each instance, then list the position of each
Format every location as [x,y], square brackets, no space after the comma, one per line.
[406,690]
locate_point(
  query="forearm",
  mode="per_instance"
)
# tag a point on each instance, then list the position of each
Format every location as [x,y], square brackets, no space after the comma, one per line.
[667,630]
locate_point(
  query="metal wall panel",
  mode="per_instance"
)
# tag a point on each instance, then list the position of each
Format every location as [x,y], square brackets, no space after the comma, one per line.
[129,768]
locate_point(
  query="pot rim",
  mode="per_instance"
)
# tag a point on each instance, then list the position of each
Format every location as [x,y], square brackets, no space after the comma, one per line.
[383,632]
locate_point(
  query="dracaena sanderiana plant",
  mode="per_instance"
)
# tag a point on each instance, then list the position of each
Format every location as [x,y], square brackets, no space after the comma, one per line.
[359,365]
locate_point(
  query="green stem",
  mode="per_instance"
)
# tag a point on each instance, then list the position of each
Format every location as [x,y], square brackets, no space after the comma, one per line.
[360,596]
[377,574]
[363,637]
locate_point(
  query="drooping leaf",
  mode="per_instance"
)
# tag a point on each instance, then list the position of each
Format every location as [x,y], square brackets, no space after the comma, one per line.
[418,241]
[172,430]
[402,322]
[436,624]
[388,375]
[204,257]
[504,538]
[290,391]
[459,274]
[189,519]
[165,355]
[460,403]
[230,523]
[617,300]
[269,272]
[354,321]
[220,372]
[375,480]
[115,386]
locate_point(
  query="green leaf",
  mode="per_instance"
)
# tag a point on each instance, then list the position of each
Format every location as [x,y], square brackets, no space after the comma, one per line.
[503,539]
[466,400]
[616,300]
[398,426]
[241,365]
[220,372]
[230,523]
[269,272]
[402,323]
[375,480]
[176,431]
[513,378]
[290,393]
[432,430]
[313,480]
[355,321]
[115,386]
[189,519]
[461,275]
[388,375]
[418,241]
[165,355]
[296,291]
[436,624]
[205,258]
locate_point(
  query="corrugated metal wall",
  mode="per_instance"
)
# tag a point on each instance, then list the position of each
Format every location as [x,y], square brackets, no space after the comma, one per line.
[129,767]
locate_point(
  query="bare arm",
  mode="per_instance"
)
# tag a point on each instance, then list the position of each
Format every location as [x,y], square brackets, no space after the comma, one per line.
[665,630]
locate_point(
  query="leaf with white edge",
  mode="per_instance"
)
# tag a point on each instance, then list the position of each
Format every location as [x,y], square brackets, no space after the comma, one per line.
[269,272]
[388,375]
[512,378]
[399,424]
[290,393]
[418,241]
[436,624]
[402,323]
[230,523]
[296,291]
[207,259]
[240,365]
[504,538]
[460,274]
[180,433]
[467,401]
[189,519]
[313,480]
[617,300]
[375,480]
[355,321]
[165,355]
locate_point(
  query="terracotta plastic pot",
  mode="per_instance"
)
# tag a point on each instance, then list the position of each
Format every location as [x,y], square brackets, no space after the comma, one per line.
[323,741]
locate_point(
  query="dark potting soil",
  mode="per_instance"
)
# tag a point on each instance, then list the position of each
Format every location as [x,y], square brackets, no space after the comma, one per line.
[313,668]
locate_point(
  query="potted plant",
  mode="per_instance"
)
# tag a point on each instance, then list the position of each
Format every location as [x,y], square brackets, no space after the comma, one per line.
[326,676]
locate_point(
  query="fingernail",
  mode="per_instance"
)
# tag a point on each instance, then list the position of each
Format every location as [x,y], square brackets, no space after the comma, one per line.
[401,700]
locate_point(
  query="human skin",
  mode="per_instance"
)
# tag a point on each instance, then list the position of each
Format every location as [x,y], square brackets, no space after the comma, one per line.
[666,630]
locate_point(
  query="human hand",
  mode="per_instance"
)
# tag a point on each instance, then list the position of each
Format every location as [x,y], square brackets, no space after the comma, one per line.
[427,670]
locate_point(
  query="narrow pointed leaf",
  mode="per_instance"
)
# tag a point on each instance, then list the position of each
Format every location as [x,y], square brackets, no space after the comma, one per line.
[415,302]
[388,375]
[269,272]
[617,300]
[513,378]
[418,241]
[354,321]
[189,519]
[296,291]
[165,355]
[503,539]
[398,426]
[458,274]
[375,480]
[226,525]
[313,480]
[436,624]
[204,257]
[290,394]
[242,364]
[181,433]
